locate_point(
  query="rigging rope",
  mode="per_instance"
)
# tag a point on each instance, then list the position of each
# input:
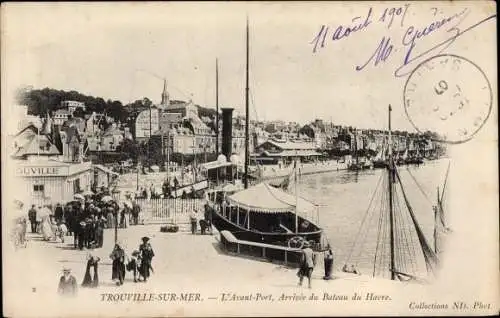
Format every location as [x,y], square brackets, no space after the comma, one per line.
[413,243]
[399,264]
[410,248]
[363,221]
[362,239]
[445,181]
[429,255]
[380,232]
[419,186]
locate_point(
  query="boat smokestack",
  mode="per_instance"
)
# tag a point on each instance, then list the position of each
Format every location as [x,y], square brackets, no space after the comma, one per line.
[227,132]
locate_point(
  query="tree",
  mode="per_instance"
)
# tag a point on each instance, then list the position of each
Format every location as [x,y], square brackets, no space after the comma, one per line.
[130,148]
[79,112]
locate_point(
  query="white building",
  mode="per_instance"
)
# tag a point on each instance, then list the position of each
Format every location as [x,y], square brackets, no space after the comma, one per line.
[60,116]
[72,105]
[146,123]
[51,181]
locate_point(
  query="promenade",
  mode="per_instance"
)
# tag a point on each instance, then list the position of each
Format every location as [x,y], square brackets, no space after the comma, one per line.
[184,263]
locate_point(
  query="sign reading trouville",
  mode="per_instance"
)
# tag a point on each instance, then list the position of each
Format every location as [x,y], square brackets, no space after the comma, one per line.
[38,171]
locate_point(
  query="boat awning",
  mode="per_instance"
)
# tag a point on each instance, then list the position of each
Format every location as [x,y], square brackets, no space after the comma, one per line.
[215,165]
[106,170]
[267,199]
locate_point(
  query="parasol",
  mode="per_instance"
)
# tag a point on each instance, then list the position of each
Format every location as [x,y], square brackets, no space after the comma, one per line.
[106,198]
[128,203]
[88,193]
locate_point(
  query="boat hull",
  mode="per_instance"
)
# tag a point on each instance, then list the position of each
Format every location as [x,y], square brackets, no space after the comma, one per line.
[275,238]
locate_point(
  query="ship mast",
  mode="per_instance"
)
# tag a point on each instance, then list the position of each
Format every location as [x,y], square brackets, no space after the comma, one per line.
[436,215]
[216,107]
[356,147]
[391,207]
[296,194]
[246,113]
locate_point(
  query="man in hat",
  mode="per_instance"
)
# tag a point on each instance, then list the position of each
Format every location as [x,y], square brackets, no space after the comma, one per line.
[194,219]
[32,218]
[307,263]
[135,212]
[58,213]
[67,284]
[147,255]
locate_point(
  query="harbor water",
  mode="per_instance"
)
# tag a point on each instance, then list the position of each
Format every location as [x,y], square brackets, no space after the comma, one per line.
[344,197]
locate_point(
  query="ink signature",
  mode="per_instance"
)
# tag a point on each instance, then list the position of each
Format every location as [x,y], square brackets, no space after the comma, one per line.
[413,36]
[442,45]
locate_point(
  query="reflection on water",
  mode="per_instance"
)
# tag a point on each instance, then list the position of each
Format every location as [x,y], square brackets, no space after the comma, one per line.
[344,197]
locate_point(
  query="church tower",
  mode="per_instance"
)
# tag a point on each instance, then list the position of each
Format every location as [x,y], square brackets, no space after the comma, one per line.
[165,100]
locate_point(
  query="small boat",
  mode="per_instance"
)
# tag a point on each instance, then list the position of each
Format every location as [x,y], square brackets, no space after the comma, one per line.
[264,214]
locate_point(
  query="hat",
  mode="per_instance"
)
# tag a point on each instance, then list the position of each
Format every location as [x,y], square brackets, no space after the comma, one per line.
[306,244]
[145,239]
[135,253]
[67,270]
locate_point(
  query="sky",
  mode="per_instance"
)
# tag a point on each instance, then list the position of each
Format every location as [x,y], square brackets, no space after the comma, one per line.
[123,51]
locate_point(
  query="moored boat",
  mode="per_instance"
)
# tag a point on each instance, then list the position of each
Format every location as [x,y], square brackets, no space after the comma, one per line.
[264,214]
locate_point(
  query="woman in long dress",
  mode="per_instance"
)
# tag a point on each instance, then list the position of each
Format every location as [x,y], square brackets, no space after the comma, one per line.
[110,218]
[118,266]
[147,255]
[46,228]
[91,280]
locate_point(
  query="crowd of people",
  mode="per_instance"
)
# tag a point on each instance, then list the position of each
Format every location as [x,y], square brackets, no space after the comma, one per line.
[84,218]
[167,191]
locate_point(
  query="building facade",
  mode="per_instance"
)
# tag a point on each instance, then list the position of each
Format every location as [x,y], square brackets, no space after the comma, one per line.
[146,123]
[72,105]
[49,182]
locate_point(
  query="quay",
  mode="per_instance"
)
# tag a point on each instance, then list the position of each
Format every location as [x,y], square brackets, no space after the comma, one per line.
[274,171]
[184,263]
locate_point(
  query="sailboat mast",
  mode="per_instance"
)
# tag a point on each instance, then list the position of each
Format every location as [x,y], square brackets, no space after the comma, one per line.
[436,221]
[356,146]
[391,207]
[296,195]
[246,112]
[216,107]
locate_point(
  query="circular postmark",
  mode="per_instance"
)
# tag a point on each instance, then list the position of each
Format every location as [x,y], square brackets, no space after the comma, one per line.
[449,95]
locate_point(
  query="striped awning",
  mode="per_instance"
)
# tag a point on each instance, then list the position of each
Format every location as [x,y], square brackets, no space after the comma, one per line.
[264,198]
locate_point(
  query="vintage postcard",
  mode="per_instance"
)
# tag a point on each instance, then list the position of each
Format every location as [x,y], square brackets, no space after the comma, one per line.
[249,159]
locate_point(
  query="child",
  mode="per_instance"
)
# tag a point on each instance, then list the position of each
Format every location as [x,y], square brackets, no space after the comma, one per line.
[61,231]
[134,263]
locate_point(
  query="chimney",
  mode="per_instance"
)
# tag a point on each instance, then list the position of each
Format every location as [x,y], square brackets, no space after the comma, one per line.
[227,132]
